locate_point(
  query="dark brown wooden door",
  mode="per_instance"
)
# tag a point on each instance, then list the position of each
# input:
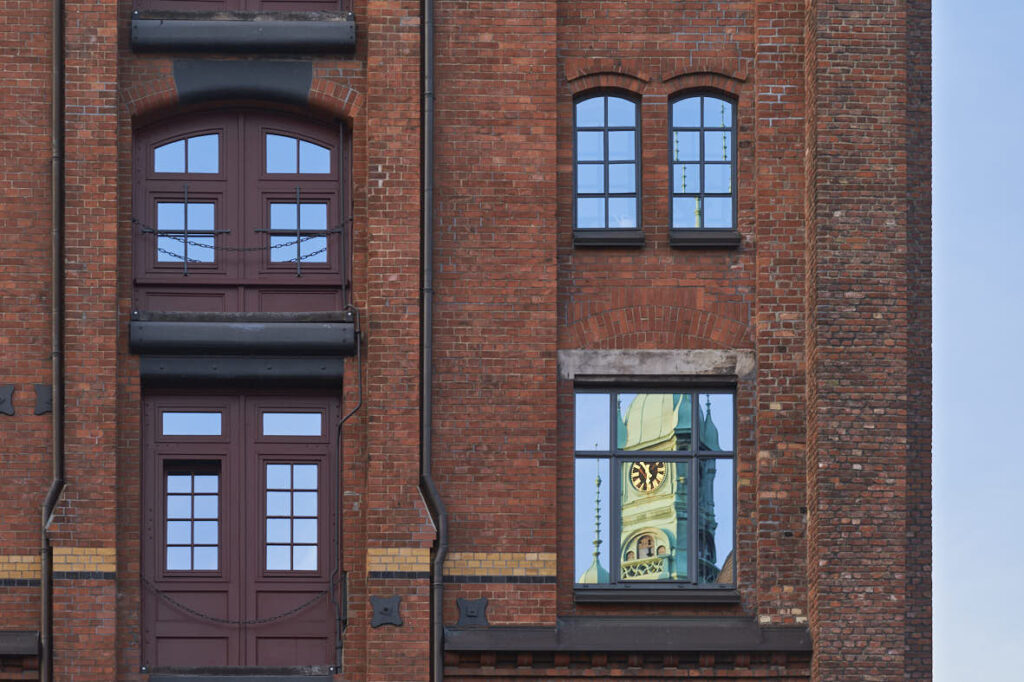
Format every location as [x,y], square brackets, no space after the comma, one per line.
[239,529]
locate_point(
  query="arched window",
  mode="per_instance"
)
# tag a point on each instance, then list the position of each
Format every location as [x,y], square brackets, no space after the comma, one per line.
[607,163]
[241,211]
[703,151]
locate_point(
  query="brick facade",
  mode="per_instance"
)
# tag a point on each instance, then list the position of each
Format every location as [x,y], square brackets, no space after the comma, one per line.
[825,301]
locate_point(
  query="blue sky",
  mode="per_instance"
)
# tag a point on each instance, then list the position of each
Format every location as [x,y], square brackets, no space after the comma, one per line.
[978,332]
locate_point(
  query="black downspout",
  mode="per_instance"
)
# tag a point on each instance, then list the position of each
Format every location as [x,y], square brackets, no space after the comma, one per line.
[56,338]
[433,497]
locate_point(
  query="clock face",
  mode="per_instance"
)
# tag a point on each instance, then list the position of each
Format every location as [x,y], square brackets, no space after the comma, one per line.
[647,476]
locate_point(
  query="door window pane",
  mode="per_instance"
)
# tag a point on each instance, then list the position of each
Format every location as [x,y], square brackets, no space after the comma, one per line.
[191,544]
[292,423]
[291,517]
[191,423]
[282,154]
[203,154]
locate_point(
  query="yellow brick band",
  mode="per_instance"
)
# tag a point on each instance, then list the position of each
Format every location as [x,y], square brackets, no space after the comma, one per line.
[397,559]
[65,559]
[500,563]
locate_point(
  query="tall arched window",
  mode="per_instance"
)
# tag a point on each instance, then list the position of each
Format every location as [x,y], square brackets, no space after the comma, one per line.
[240,211]
[607,163]
[703,150]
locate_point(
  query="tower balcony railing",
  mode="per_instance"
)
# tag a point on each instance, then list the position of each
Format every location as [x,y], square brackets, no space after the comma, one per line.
[648,568]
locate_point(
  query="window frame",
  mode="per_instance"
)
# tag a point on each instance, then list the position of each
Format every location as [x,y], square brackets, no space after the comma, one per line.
[703,236]
[639,591]
[608,236]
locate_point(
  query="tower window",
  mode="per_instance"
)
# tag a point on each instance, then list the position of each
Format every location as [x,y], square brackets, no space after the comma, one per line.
[654,487]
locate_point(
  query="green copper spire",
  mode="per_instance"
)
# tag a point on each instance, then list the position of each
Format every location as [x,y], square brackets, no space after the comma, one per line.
[596,573]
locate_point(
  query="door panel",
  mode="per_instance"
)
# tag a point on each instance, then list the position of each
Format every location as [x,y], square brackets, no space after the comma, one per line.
[201,482]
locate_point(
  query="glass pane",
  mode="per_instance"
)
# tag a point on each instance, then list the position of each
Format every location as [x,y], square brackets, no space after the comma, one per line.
[590,213]
[278,557]
[206,484]
[179,506]
[590,178]
[292,423]
[179,532]
[305,477]
[717,113]
[592,530]
[305,530]
[590,146]
[304,558]
[622,178]
[282,249]
[590,113]
[622,212]
[200,250]
[685,212]
[653,521]
[169,158]
[191,423]
[279,476]
[718,146]
[179,483]
[716,427]
[313,158]
[204,558]
[654,421]
[715,560]
[200,217]
[313,216]
[313,250]
[718,212]
[282,154]
[685,146]
[718,178]
[202,154]
[179,558]
[283,217]
[205,532]
[170,250]
[593,412]
[279,504]
[686,178]
[686,113]
[279,530]
[621,145]
[170,216]
[205,507]
[621,113]
[305,504]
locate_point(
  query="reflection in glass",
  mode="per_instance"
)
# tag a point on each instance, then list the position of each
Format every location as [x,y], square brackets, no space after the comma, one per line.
[717,113]
[654,421]
[203,154]
[621,145]
[294,217]
[718,146]
[291,518]
[621,113]
[590,213]
[716,413]
[686,113]
[715,558]
[590,146]
[592,413]
[653,520]
[282,154]
[592,533]
[313,158]
[590,178]
[622,212]
[191,544]
[718,178]
[717,212]
[621,178]
[190,226]
[685,212]
[191,424]
[686,146]
[686,178]
[590,113]
[169,158]
[292,423]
